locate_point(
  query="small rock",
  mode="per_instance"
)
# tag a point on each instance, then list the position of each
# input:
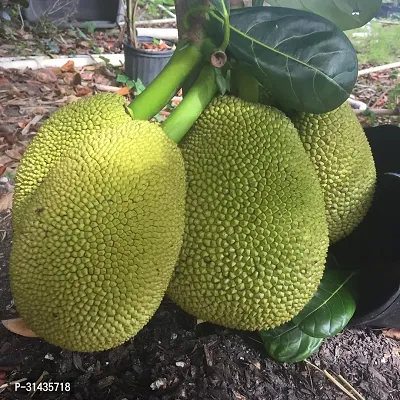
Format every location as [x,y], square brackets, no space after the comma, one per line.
[160,383]
[49,356]
[180,364]
[174,336]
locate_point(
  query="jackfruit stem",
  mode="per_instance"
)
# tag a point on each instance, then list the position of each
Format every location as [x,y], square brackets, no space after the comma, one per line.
[161,90]
[193,104]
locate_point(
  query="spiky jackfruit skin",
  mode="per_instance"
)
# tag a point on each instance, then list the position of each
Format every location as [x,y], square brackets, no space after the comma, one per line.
[256,236]
[340,152]
[63,130]
[100,237]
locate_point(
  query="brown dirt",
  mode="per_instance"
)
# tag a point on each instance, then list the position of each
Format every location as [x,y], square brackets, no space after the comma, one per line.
[173,358]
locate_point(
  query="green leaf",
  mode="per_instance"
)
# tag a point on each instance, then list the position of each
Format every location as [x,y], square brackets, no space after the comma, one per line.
[222,6]
[122,78]
[221,82]
[159,118]
[346,14]
[228,80]
[105,59]
[289,344]
[331,307]
[305,61]
[22,3]
[326,314]
[82,34]
[139,87]
[130,84]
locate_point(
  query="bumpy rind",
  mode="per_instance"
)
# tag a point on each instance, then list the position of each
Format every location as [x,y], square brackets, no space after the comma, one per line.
[63,130]
[340,152]
[100,238]
[256,235]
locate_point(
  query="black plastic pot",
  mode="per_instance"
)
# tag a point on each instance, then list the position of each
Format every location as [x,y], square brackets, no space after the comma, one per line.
[374,247]
[102,14]
[144,64]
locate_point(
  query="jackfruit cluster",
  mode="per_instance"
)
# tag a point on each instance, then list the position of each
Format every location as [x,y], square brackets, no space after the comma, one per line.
[233,225]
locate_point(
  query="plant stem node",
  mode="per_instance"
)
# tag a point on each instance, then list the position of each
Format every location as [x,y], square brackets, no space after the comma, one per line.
[218,59]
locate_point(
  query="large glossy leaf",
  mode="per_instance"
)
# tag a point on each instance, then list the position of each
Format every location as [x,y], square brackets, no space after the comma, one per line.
[327,313]
[331,307]
[346,14]
[289,344]
[222,6]
[305,61]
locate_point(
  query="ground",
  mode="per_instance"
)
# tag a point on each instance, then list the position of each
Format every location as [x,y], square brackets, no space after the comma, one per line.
[174,358]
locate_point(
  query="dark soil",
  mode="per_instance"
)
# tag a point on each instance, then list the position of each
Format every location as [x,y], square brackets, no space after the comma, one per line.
[175,358]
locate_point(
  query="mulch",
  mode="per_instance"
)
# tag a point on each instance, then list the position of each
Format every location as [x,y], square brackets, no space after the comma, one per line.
[175,358]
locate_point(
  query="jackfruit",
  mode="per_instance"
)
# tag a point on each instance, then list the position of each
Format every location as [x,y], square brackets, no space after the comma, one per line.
[100,237]
[341,154]
[256,235]
[63,130]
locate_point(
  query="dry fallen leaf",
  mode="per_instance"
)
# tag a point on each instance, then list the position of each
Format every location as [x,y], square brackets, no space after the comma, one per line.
[14,154]
[46,75]
[70,99]
[83,91]
[123,91]
[69,66]
[24,123]
[10,140]
[39,111]
[6,202]
[18,326]
[101,79]
[392,333]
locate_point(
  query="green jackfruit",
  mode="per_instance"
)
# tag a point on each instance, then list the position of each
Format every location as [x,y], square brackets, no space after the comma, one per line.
[63,130]
[256,235]
[100,237]
[340,152]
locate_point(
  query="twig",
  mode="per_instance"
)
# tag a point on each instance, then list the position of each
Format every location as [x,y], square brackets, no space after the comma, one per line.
[161,7]
[5,385]
[381,97]
[379,111]
[21,18]
[351,387]
[336,382]
[157,21]
[34,121]
[40,379]
[385,22]
[356,104]
[379,68]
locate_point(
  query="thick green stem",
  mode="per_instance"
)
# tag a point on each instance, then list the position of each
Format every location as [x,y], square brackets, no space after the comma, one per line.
[161,90]
[246,86]
[192,105]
